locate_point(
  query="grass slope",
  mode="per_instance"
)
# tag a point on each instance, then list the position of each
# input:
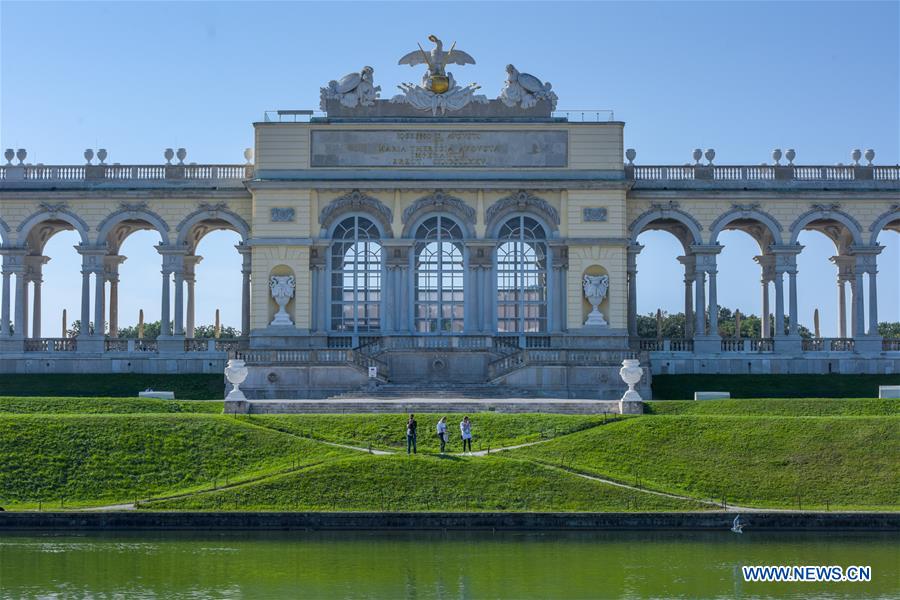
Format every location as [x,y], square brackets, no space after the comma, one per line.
[18,404]
[194,386]
[401,483]
[757,461]
[682,387]
[812,407]
[387,431]
[99,459]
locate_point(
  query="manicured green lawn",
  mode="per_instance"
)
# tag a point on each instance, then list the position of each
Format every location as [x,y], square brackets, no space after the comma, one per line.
[401,483]
[386,431]
[205,386]
[682,387]
[757,461]
[20,404]
[812,407]
[107,459]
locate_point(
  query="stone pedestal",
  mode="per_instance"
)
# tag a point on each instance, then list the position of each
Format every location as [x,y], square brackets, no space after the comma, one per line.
[170,343]
[791,344]
[707,344]
[870,344]
[12,345]
[93,344]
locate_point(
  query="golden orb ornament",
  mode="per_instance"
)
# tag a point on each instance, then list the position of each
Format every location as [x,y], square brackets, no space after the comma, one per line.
[439,83]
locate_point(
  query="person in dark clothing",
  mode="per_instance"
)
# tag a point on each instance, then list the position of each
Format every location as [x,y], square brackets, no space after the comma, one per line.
[411,426]
[465,428]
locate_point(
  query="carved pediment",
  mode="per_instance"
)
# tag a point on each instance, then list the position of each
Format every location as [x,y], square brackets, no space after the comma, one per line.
[439,201]
[522,201]
[356,201]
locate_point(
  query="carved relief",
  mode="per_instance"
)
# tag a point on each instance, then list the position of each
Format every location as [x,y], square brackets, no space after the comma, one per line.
[439,201]
[522,201]
[357,201]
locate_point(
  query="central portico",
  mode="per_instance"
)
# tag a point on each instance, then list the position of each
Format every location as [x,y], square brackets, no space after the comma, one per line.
[439,238]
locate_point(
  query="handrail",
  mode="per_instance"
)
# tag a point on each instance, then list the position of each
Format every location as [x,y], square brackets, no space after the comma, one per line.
[766,173]
[104,172]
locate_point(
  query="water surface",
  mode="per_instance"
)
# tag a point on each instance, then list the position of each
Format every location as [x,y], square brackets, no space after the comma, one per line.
[425,566]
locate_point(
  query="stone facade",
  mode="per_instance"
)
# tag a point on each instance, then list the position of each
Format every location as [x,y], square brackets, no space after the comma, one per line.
[397,233]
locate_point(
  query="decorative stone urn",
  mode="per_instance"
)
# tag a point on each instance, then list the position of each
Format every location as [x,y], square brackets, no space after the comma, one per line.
[236,373]
[282,287]
[631,372]
[595,288]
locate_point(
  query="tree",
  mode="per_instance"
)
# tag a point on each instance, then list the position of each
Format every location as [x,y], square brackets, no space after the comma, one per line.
[673,325]
[889,329]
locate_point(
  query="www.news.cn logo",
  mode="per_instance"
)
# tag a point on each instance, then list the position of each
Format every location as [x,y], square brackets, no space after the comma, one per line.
[783,573]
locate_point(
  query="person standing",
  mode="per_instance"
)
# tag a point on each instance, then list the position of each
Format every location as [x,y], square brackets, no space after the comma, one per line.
[411,426]
[442,432]
[465,428]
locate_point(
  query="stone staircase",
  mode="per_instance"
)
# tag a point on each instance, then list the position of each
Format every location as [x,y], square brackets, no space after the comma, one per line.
[438,391]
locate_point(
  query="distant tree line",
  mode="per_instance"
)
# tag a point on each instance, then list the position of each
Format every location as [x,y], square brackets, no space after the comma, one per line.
[152,329]
[672,325]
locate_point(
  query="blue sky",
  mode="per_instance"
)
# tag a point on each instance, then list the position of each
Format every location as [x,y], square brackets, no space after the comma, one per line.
[741,77]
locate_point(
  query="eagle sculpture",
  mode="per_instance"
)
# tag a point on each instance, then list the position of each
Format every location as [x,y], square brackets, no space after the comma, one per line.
[437,59]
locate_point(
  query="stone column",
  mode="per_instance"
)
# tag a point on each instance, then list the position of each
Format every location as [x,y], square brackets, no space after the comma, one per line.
[85,302]
[689,275]
[165,328]
[114,306]
[480,262]
[21,326]
[786,262]
[99,304]
[846,267]
[700,303]
[190,279]
[36,310]
[4,315]
[92,258]
[866,340]
[852,283]
[25,307]
[779,305]
[713,305]
[245,253]
[560,256]
[842,308]
[631,279]
[767,266]
[179,302]
[111,264]
[873,304]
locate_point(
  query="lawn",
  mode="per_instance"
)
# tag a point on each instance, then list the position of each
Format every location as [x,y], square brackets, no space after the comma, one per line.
[25,405]
[427,483]
[813,462]
[812,407]
[386,431]
[107,459]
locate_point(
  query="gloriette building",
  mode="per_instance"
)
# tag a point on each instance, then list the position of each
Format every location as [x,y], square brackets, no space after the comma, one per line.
[442,237]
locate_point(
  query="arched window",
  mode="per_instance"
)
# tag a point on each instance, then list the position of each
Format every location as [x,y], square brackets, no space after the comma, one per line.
[522,277]
[355,276]
[439,276]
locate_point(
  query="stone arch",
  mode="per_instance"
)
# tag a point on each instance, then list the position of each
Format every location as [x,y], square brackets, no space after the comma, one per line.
[748,219]
[126,220]
[436,203]
[893,214]
[827,214]
[668,217]
[59,214]
[216,216]
[548,230]
[360,204]
[522,203]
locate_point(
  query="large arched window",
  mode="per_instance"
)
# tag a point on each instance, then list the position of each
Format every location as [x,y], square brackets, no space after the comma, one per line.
[355,276]
[522,277]
[439,276]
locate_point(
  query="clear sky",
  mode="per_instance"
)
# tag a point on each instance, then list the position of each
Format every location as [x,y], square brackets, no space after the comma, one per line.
[741,77]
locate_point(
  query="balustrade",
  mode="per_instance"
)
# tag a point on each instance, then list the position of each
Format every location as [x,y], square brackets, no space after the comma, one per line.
[125,172]
[890,344]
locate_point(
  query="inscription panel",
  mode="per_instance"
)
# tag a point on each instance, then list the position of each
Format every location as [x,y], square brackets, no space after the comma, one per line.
[439,148]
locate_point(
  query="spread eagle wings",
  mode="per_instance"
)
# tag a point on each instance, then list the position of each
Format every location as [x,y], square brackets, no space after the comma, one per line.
[421,57]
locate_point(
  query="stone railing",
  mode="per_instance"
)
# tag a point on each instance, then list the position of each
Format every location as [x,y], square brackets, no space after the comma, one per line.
[663,345]
[560,356]
[828,345]
[890,345]
[762,173]
[748,345]
[99,173]
[51,344]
